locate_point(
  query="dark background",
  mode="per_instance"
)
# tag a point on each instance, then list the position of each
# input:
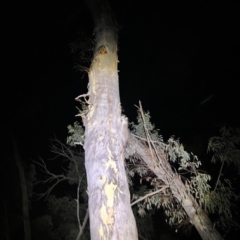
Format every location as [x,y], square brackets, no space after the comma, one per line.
[180,58]
[173,56]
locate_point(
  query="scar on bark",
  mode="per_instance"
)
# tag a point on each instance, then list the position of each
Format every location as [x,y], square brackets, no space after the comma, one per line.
[102,49]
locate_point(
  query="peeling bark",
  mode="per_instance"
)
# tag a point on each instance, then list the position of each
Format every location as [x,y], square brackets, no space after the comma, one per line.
[110,211]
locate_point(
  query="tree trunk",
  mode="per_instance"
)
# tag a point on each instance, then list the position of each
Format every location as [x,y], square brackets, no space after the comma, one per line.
[110,211]
[25,204]
[6,221]
[164,172]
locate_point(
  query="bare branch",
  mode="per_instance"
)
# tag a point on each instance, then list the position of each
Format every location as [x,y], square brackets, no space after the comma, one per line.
[52,177]
[152,144]
[148,195]
[83,225]
[60,149]
[146,131]
[219,175]
[78,189]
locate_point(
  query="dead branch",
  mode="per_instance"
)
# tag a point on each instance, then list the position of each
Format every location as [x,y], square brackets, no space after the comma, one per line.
[83,225]
[149,195]
[51,178]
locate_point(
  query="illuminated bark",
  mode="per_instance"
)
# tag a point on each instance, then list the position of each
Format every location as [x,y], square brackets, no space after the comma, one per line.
[110,211]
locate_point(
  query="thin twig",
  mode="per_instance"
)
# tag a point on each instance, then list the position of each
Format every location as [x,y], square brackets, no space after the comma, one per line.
[83,225]
[151,143]
[78,189]
[219,175]
[148,195]
[146,131]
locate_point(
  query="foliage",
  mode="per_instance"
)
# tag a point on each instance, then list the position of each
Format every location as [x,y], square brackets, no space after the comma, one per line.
[76,134]
[226,147]
[221,202]
[198,187]
[42,228]
[64,213]
[61,222]
[175,153]
[173,210]
[226,150]
[218,201]
[139,129]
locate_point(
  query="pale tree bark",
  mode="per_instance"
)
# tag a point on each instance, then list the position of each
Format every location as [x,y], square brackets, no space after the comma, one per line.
[110,211]
[157,161]
[23,183]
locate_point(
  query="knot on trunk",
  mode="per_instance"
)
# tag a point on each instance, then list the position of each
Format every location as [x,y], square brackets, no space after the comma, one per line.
[102,49]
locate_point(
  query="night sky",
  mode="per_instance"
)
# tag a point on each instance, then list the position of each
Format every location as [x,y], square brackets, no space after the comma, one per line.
[180,58]
[173,57]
